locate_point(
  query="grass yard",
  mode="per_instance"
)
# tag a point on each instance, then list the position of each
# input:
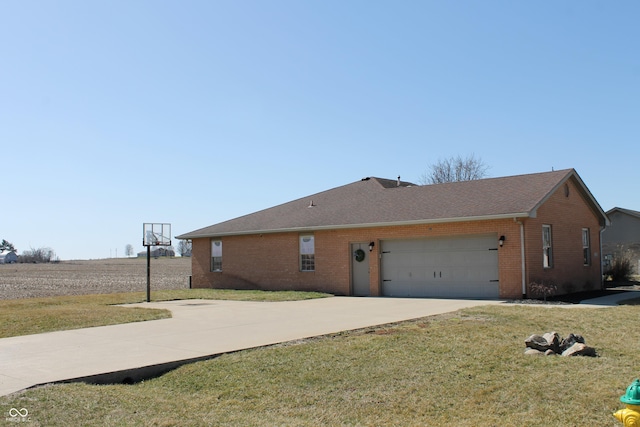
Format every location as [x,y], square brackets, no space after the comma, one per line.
[460,369]
[38,315]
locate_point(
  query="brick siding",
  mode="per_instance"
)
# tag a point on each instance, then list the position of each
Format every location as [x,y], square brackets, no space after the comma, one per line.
[567,215]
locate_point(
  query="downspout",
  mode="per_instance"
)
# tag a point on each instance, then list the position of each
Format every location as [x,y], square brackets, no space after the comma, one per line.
[601,258]
[523,265]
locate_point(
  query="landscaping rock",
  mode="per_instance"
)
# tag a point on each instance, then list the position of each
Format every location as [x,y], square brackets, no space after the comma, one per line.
[571,340]
[552,343]
[580,349]
[537,342]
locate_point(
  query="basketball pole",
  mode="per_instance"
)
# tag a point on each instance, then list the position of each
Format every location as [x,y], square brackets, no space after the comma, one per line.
[148,273]
[154,234]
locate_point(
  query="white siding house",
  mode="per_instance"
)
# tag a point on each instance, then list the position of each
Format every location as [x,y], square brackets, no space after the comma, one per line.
[8,257]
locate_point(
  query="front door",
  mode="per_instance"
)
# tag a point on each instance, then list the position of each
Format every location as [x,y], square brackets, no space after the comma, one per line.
[360,269]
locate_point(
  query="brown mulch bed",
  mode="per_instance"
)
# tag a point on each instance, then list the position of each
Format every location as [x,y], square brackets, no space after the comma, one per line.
[577,297]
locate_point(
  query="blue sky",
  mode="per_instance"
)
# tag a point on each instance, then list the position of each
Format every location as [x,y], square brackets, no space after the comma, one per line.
[115,113]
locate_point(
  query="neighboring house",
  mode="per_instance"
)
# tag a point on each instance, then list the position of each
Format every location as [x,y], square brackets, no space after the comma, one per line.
[8,257]
[158,252]
[488,238]
[622,235]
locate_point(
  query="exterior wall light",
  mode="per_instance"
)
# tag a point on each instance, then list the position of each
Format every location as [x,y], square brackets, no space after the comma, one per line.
[371,245]
[501,240]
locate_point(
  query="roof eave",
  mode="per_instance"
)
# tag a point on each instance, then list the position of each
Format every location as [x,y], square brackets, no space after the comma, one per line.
[365,225]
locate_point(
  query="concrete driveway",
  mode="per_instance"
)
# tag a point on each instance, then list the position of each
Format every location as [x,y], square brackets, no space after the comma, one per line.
[198,330]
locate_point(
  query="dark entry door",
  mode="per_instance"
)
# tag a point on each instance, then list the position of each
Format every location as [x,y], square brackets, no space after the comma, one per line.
[360,269]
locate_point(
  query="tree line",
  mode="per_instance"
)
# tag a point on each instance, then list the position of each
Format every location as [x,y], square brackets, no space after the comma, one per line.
[38,255]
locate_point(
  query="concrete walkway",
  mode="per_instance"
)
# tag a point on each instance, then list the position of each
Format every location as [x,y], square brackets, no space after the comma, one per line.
[198,330]
[611,300]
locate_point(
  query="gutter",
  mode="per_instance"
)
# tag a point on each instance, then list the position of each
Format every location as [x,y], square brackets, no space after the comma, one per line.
[523,264]
[602,228]
[348,226]
[606,223]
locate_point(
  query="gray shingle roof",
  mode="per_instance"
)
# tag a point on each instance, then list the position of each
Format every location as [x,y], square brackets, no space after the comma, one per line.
[626,211]
[377,202]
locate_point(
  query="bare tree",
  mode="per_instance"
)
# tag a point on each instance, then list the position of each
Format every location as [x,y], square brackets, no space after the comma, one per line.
[184,248]
[128,250]
[455,169]
[38,255]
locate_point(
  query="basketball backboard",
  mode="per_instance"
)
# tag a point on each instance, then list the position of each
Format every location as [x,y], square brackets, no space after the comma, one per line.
[156,234]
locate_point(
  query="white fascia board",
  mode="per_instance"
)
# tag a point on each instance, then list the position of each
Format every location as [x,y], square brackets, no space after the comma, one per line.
[369,225]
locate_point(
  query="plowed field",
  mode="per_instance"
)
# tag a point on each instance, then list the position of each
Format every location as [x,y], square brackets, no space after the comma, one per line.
[104,276]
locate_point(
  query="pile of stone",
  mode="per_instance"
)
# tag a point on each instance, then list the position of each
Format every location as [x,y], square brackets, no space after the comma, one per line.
[552,343]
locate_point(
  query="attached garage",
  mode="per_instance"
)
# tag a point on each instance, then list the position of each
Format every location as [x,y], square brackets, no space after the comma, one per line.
[447,267]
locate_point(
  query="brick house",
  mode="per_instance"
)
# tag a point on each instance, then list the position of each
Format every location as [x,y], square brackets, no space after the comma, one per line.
[489,238]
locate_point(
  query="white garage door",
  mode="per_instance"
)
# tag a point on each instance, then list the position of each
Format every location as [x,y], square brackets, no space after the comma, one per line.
[451,267]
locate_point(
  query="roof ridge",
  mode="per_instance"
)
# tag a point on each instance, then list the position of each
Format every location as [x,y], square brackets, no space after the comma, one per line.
[627,211]
[391,183]
[559,172]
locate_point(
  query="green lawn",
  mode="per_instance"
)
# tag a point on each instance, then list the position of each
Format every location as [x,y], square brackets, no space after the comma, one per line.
[38,315]
[460,369]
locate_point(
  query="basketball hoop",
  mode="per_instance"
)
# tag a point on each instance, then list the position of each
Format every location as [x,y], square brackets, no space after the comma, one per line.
[154,234]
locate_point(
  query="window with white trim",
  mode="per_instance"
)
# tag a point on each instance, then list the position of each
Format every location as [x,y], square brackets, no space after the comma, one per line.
[307,253]
[216,255]
[547,247]
[586,247]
